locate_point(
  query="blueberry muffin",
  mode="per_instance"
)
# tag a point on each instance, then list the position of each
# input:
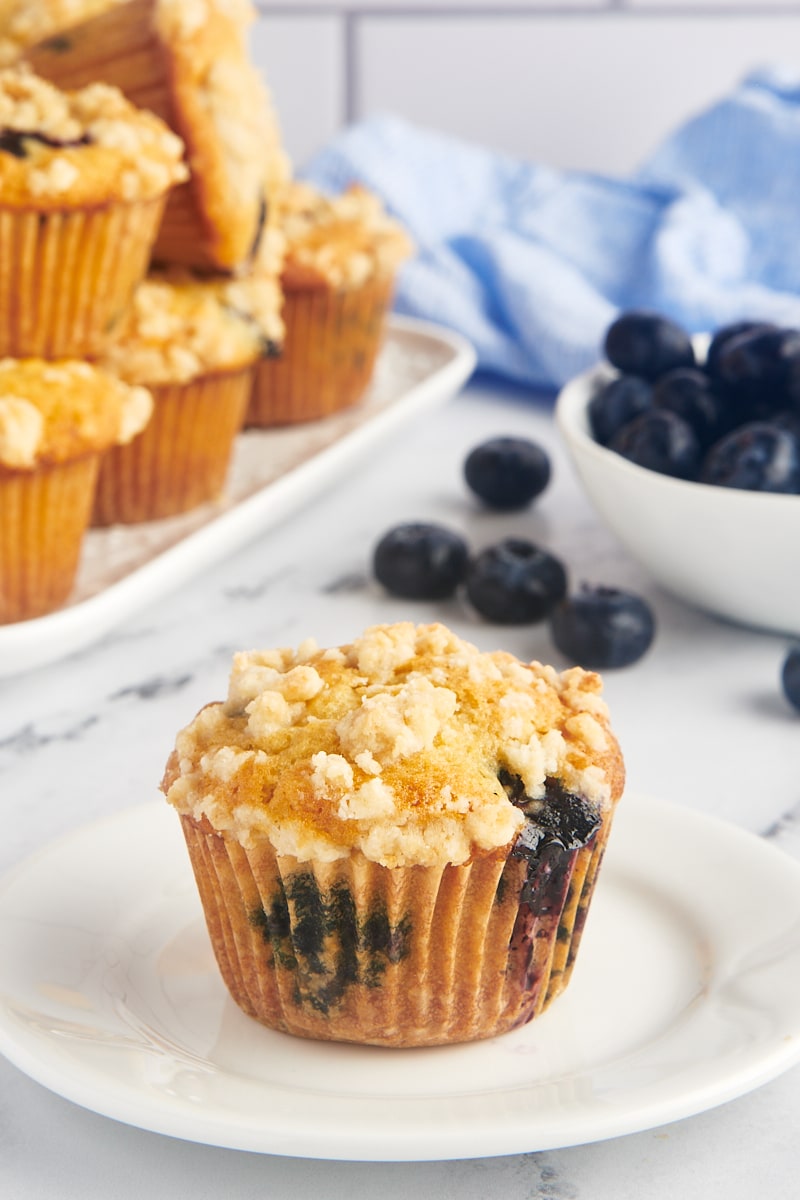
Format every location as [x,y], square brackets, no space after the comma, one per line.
[83,181]
[186,61]
[194,343]
[342,256]
[56,421]
[396,841]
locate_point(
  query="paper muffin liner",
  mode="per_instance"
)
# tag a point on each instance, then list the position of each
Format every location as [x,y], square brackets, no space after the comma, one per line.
[67,277]
[181,458]
[332,341]
[353,951]
[43,517]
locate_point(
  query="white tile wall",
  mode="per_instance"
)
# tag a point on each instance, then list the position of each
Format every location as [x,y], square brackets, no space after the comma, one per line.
[303,60]
[420,8]
[593,84]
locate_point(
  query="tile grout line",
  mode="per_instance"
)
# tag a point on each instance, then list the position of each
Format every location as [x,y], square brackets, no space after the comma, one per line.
[350,67]
[350,12]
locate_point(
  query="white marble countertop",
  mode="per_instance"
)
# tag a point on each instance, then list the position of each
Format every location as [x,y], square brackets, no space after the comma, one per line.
[701,719]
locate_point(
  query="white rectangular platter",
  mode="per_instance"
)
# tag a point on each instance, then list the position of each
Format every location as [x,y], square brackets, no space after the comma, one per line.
[272,471]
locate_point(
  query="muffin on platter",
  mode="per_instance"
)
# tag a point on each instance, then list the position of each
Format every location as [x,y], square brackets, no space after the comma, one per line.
[56,421]
[83,181]
[186,61]
[396,841]
[342,257]
[194,343]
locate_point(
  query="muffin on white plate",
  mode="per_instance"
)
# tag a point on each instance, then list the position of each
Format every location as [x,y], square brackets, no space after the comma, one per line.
[396,841]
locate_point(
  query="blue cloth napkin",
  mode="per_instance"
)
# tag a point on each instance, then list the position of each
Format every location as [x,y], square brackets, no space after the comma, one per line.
[532,264]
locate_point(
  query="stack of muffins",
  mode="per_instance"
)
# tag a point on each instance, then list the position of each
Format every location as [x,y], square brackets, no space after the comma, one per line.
[151,232]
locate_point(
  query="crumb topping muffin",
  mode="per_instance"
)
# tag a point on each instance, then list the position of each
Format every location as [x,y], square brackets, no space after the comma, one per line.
[224,112]
[52,412]
[180,327]
[409,745]
[63,150]
[186,61]
[343,240]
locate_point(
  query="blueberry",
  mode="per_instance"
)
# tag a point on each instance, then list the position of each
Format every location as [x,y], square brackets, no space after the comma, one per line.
[661,441]
[760,365]
[646,344]
[690,394]
[759,457]
[507,472]
[420,562]
[723,335]
[617,403]
[515,582]
[602,627]
[790,677]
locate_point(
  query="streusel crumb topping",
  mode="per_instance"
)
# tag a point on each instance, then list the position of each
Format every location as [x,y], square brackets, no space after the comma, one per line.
[392,746]
[51,412]
[344,240]
[64,149]
[179,327]
[25,22]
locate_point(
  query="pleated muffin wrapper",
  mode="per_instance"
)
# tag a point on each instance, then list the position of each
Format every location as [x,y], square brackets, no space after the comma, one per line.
[66,277]
[353,951]
[43,517]
[333,337]
[182,457]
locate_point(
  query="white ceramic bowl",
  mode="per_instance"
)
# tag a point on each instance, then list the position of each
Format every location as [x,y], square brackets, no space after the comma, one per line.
[733,553]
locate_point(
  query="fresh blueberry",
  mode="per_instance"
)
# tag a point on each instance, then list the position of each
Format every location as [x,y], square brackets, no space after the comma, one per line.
[661,441]
[507,472]
[790,677]
[690,394]
[420,562]
[647,344]
[722,336]
[759,457]
[617,403]
[760,365]
[515,582]
[602,627]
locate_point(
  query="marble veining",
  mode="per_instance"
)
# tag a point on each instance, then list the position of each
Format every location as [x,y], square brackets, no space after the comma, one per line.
[155,686]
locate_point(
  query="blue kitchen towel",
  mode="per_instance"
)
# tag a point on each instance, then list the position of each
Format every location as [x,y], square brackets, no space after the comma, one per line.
[532,264]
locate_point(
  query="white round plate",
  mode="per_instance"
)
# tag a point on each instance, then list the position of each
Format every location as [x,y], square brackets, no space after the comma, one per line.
[686,994]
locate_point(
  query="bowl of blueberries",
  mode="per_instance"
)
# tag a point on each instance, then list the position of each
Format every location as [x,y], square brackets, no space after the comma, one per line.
[689,449]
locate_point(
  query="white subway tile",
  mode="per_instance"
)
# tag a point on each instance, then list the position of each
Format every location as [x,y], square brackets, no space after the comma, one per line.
[422,8]
[596,92]
[302,60]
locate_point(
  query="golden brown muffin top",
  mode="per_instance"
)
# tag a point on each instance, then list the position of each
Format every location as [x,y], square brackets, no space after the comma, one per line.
[51,412]
[339,240]
[60,150]
[391,746]
[180,326]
